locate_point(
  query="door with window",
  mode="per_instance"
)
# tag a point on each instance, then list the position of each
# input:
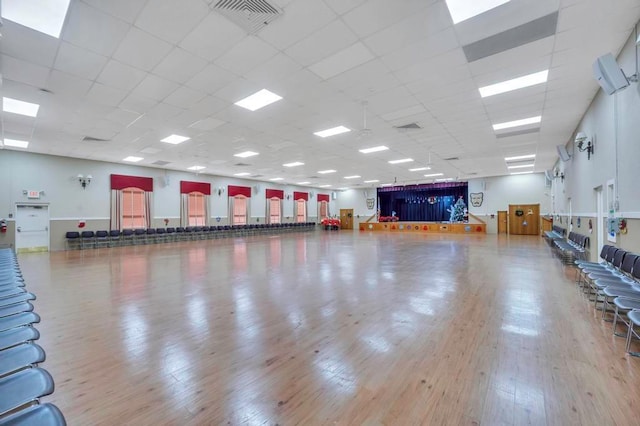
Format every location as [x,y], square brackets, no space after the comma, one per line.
[32,228]
[239,210]
[275,210]
[301,211]
[134,213]
[197,211]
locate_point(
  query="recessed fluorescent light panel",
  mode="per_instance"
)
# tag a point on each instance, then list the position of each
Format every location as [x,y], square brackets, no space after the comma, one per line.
[387,184]
[20,107]
[242,174]
[133,159]
[517,123]
[521,166]
[434,175]
[16,143]
[444,180]
[419,169]
[324,172]
[332,132]
[294,164]
[245,154]
[520,157]
[371,181]
[461,10]
[258,100]
[196,168]
[514,84]
[325,186]
[276,179]
[522,173]
[303,183]
[374,149]
[352,177]
[404,160]
[45,16]
[175,139]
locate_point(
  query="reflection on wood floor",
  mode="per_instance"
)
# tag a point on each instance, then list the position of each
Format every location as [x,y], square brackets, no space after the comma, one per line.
[328,328]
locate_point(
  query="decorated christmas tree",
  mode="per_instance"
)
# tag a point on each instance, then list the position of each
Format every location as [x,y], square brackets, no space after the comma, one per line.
[458,211]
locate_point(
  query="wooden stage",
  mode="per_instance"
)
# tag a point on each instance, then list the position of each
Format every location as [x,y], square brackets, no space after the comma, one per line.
[426,227]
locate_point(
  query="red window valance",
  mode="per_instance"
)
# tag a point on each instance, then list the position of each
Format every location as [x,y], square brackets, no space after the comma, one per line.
[233,190]
[323,197]
[187,187]
[301,196]
[275,193]
[124,181]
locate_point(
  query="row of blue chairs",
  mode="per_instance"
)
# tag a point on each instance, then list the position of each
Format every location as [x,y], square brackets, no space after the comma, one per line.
[114,238]
[22,382]
[575,247]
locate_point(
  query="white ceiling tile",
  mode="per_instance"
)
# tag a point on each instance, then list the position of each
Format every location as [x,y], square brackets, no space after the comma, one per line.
[137,103]
[127,10]
[246,55]
[121,76]
[184,97]
[163,112]
[208,124]
[323,43]
[141,50]
[169,20]
[180,66]
[28,45]
[375,15]
[154,87]
[66,85]
[343,6]
[211,79]
[212,37]
[342,61]
[92,29]
[24,72]
[78,61]
[425,48]
[105,95]
[277,68]
[210,105]
[300,19]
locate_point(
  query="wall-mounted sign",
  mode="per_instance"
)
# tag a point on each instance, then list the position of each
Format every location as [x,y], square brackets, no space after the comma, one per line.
[33,194]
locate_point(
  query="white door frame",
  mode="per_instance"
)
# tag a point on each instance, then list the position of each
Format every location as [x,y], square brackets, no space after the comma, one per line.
[23,204]
[600,227]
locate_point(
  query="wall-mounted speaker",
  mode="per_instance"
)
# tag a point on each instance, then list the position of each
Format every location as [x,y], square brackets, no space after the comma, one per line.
[609,75]
[166,181]
[334,195]
[563,153]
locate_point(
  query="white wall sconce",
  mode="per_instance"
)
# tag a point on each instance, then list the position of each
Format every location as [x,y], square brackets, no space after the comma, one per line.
[584,144]
[84,180]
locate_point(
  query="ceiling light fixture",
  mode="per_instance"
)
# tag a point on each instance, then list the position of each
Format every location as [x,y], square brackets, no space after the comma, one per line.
[461,10]
[15,106]
[520,166]
[374,149]
[258,100]
[132,159]
[332,132]
[444,180]
[45,16]
[242,174]
[419,169]
[522,173]
[196,168]
[175,139]
[352,177]
[245,154]
[514,84]
[325,186]
[324,172]
[16,143]
[387,184]
[520,157]
[517,123]
[276,179]
[434,175]
[372,181]
[403,160]
[303,183]
[294,164]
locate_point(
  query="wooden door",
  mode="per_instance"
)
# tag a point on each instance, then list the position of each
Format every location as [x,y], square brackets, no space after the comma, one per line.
[346,218]
[502,222]
[524,219]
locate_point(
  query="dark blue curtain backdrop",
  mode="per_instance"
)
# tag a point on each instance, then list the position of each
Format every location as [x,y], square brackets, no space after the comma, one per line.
[411,202]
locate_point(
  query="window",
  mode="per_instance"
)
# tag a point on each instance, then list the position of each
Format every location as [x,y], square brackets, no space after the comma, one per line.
[197,211]
[301,212]
[239,210]
[274,210]
[133,208]
[324,209]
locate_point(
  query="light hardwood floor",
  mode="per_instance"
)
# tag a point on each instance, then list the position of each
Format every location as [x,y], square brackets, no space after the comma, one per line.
[328,328]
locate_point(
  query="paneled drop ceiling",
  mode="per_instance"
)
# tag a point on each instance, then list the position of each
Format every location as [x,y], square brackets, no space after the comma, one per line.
[125,74]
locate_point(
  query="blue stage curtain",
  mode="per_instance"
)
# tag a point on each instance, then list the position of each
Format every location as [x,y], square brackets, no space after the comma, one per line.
[412,203]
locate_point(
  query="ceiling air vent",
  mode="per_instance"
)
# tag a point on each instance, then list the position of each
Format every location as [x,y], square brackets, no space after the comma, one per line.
[250,15]
[451,158]
[410,126]
[242,164]
[92,139]
[161,163]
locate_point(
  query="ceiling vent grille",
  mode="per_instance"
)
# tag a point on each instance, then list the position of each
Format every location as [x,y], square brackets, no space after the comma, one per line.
[161,163]
[250,15]
[410,126]
[451,158]
[92,139]
[242,164]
